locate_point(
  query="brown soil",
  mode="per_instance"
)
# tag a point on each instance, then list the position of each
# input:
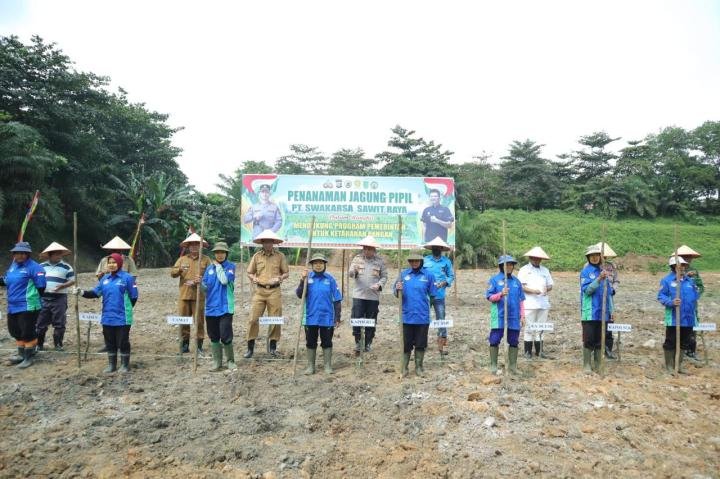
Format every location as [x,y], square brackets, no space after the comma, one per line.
[163,420]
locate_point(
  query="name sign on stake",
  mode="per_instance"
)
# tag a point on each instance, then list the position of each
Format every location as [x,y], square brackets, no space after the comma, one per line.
[362,322]
[705,327]
[91,317]
[179,319]
[441,323]
[272,320]
[540,327]
[620,328]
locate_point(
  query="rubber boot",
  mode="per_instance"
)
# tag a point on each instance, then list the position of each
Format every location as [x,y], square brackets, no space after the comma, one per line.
[230,355]
[357,347]
[185,346]
[527,349]
[217,354]
[493,359]
[440,345]
[587,366]
[250,349]
[512,358]
[368,346]
[27,358]
[112,364]
[199,343]
[681,369]
[419,356]
[124,363]
[540,350]
[609,354]
[596,360]
[310,354]
[444,351]
[405,362]
[58,343]
[41,342]
[272,348]
[669,361]
[19,357]
[327,360]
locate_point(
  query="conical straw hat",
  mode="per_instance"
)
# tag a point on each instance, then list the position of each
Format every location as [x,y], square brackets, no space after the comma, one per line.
[607,251]
[54,247]
[537,252]
[193,238]
[685,250]
[437,242]
[116,243]
[369,241]
[267,235]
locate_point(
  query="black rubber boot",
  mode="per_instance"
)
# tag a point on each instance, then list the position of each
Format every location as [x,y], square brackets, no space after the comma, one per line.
[527,347]
[41,342]
[272,348]
[58,343]
[357,347]
[185,346]
[28,360]
[200,346]
[112,364]
[124,363]
[19,357]
[609,354]
[250,349]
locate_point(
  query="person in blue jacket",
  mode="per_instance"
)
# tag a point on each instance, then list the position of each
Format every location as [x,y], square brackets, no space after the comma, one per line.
[25,282]
[594,279]
[418,286]
[119,294]
[323,306]
[218,281]
[442,268]
[685,304]
[505,287]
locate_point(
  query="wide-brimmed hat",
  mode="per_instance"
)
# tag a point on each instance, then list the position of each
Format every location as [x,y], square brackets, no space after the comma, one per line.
[221,246]
[53,248]
[506,258]
[193,238]
[318,257]
[537,252]
[415,255]
[267,235]
[685,250]
[116,243]
[438,243]
[368,241]
[21,247]
[671,261]
[607,251]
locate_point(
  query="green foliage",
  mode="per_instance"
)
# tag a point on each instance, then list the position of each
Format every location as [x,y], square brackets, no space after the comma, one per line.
[413,156]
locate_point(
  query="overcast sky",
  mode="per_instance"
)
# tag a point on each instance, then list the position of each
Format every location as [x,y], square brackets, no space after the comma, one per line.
[247,79]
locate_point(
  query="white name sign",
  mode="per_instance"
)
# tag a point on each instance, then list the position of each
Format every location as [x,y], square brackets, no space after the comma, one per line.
[179,319]
[620,328]
[705,327]
[540,327]
[91,317]
[272,320]
[441,323]
[362,322]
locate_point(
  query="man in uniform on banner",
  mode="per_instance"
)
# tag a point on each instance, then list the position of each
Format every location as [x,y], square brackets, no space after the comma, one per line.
[536,282]
[436,218]
[442,269]
[267,269]
[264,215]
[370,275]
[186,269]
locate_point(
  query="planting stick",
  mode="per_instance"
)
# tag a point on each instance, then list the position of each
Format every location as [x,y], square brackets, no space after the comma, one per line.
[400,294]
[677,307]
[603,308]
[196,316]
[505,305]
[77,278]
[302,299]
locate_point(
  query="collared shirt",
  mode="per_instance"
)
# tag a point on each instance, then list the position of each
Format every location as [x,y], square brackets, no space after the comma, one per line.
[322,292]
[128,266]
[536,278]
[186,268]
[442,269]
[433,230]
[57,274]
[219,298]
[689,294]
[23,281]
[270,218]
[117,291]
[418,287]
[514,299]
[267,266]
[370,271]
[591,293]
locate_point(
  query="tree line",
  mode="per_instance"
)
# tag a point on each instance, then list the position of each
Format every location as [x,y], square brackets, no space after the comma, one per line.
[89,149]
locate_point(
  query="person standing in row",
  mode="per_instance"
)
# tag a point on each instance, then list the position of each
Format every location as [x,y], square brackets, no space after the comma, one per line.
[218,281]
[323,307]
[442,269]
[117,246]
[593,281]
[25,282]
[189,269]
[689,254]
[119,294]
[537,283]
[370,275]
[613,277]
[418,287]
[59,276]
[267,270]
[501,288]
[683,305]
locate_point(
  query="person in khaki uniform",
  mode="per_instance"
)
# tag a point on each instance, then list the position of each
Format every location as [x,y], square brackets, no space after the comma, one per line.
[370,275]
[267,270]
[186,269]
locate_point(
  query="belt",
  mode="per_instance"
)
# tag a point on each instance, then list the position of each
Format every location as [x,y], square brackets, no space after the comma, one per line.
[268,286]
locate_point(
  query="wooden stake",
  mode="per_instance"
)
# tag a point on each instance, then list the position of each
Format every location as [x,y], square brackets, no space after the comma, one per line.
[505,306]
[400,294]
[601,367]
[242,262]
[302,299]
[77,279]
[677,307]
[196,316]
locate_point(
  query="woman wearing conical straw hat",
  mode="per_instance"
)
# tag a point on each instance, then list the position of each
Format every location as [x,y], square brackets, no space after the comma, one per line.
[537,283]
[501,288]
[442,268]
[593,279]
[689,254]
[59,276]
[117,245]
[218,281]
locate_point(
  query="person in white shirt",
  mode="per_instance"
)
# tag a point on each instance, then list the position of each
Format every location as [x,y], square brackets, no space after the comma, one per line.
[536,282]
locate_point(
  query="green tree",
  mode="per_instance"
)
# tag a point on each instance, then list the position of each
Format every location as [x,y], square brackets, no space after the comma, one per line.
[351,162]
[527,179]
[302,160]
[413,156]
[476,184]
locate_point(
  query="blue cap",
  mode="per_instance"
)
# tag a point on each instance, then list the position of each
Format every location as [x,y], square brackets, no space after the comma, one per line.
[506,258]
[22,247]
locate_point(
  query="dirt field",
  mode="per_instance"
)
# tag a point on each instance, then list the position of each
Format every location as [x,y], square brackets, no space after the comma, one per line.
[162,420]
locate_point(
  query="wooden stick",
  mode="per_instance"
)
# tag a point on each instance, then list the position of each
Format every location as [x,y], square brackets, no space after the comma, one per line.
[242,262]
[677,307]
[601,368]
[342,277]
[77,278]
[196,316]
[457,276]
[505,306]
[400,295]
[619,344]
[87,340]
[302,299]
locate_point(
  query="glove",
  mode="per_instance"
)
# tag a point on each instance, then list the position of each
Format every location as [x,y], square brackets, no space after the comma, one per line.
[76,291]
